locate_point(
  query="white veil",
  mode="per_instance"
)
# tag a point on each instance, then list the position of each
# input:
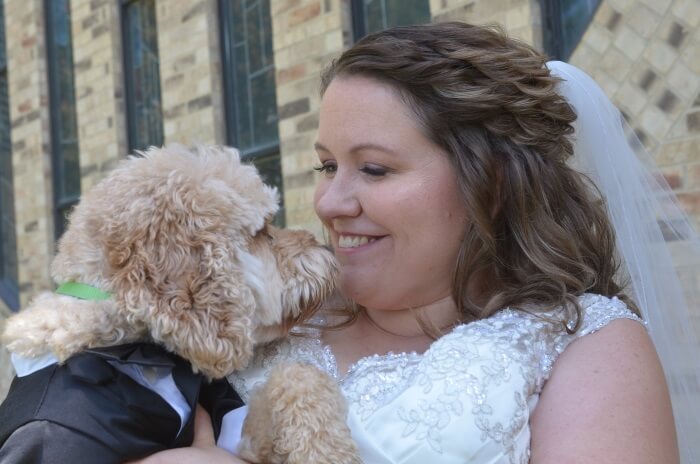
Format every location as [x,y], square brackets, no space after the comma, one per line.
[657,244]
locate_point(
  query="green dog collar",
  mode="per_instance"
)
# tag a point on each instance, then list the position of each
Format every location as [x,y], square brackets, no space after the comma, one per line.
[82,291]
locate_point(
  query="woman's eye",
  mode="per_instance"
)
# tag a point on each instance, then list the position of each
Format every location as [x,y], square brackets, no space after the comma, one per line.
[327,167]
[375,171]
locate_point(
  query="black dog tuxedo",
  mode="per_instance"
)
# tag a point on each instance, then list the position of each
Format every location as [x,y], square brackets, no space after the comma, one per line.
[107,406]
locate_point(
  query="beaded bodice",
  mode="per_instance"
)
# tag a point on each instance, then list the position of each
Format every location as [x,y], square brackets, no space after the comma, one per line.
[468,398]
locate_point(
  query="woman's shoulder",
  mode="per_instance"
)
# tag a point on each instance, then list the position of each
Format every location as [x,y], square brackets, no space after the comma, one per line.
[607,387]
[535,338]
[597,311]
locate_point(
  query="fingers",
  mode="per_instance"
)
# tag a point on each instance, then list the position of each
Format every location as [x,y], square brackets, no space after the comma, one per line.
[203,430]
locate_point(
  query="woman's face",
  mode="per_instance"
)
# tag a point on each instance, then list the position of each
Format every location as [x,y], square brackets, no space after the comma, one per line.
[388,196]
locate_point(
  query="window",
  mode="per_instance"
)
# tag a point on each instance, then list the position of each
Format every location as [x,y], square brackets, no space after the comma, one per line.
[64,130]
[8,241]
[370,16]
[565,22]
[249,86]
[142,75]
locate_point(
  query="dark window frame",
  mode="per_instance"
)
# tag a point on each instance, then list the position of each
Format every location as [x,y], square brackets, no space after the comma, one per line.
[129,91]
[231,101]
[359,25]
[9,287]
[61,204]
[552,31]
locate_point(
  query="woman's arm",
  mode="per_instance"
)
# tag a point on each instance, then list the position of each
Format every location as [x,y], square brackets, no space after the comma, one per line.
[203,449]
[606,402]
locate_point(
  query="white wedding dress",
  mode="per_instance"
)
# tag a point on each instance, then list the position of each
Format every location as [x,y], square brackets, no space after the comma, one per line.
[468,398]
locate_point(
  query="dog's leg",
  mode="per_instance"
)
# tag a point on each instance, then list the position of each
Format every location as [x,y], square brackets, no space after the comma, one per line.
[298,416]
[64,326]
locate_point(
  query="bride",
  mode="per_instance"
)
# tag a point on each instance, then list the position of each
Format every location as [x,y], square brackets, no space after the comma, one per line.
[506,290]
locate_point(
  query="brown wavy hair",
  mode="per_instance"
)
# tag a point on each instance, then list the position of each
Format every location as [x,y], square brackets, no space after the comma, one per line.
[539,230]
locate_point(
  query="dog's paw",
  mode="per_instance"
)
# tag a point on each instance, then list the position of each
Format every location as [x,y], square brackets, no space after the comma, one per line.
[298,416]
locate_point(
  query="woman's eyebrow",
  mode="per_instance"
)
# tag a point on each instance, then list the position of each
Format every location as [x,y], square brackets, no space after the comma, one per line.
[319,146]
[359,147]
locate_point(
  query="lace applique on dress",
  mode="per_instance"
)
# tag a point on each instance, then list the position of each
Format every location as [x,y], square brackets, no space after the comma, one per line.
[464,374]
[305,348]
[374,381]
[468,397]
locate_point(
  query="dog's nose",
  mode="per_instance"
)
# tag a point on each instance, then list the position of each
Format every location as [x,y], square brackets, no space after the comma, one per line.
[327,247]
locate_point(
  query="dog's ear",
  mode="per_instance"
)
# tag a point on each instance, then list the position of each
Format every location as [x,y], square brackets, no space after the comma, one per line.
[173,265]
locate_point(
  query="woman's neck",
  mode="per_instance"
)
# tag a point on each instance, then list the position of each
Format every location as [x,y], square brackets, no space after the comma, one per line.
[441,314]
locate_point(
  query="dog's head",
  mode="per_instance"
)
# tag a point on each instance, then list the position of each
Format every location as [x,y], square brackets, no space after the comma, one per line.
[181,238]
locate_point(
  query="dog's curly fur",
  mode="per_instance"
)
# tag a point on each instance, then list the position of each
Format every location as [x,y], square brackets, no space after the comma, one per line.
[181,240]
[294,429]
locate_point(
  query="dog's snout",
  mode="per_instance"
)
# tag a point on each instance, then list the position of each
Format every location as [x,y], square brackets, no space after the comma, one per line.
[327,247]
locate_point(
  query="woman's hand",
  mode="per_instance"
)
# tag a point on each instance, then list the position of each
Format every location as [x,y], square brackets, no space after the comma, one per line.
[203,449]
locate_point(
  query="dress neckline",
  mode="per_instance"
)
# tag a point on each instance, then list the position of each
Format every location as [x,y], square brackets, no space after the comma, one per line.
[371,359]
[390,356]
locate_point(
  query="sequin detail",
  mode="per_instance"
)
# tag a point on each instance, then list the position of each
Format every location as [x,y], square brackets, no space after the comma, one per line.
[482,380]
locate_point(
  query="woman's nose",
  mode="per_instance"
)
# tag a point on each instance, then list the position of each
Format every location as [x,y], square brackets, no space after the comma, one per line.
[337,197]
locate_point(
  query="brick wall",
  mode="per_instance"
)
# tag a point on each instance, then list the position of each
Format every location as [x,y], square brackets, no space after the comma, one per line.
[31,163]
[307,34]
[521,18]
[190,71]
[99,87]
[646,56]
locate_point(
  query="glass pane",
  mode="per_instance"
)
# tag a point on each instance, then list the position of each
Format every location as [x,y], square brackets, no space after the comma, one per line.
[401,12]
[143,71]
[253,30]
[66,165]
[380,14]
[374,15]
[271,173]
[575,16]
[250,80]
[3,56]
[255,101]
[267,50]
[71,169]
[265,108]
[8,242]
[244,131]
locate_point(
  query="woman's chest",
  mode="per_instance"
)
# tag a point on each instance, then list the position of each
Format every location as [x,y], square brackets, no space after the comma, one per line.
[459,399]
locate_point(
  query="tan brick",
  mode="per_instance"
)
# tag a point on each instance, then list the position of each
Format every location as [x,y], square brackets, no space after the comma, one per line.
[683,81]
[693,181]
[616,64]
[304,13]
[643,20]
[691,55]
[690,202]
[630,99]
[654,122]
[687,11]
[629,42]
[659,6]
[675,176]
[660,55]
[680,152]
[598,38]
[585,57]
